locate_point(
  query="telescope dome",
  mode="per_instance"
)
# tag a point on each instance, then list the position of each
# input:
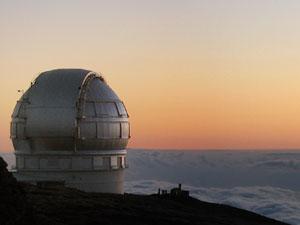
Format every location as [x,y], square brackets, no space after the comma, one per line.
[69,110]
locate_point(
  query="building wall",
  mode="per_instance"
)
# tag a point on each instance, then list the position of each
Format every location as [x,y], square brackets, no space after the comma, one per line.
[91,172]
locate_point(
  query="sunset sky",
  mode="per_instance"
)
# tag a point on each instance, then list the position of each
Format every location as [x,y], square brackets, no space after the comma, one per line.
[194,74]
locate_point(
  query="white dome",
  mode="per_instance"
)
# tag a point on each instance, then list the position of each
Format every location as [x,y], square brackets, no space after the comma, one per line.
[69,109]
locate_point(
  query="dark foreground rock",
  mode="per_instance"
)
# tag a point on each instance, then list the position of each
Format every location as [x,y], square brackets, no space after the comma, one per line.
[14,208]
[59,205]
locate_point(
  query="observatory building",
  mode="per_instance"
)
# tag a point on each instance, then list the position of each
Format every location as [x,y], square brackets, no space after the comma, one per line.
[71,128]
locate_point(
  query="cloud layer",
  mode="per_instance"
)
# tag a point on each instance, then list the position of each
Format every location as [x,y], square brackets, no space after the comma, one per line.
[224,169]
[266,182]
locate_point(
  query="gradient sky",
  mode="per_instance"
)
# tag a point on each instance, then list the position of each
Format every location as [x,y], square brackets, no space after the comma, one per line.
[193,74]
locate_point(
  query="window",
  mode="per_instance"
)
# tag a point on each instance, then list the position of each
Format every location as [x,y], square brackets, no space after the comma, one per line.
[124,130]
[108,130]
[114,161]
[111,109]
[121,109]
[100,109]
[106,109]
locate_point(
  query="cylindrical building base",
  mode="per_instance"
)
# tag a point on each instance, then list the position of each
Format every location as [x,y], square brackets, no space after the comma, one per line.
[93,171]
[89,181]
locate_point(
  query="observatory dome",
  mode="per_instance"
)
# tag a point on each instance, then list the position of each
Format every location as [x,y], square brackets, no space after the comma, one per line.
[69,120]
[69,109]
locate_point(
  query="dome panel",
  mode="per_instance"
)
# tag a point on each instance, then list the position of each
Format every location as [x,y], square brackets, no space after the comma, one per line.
[57,88]
[97,90]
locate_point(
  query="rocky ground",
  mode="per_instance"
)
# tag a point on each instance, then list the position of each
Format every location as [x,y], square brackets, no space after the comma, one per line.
[28,204]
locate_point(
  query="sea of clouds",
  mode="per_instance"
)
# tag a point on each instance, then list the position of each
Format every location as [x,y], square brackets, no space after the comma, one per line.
[265,182]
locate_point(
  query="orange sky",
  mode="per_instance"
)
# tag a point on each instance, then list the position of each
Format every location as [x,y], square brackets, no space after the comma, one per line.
[193,74]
